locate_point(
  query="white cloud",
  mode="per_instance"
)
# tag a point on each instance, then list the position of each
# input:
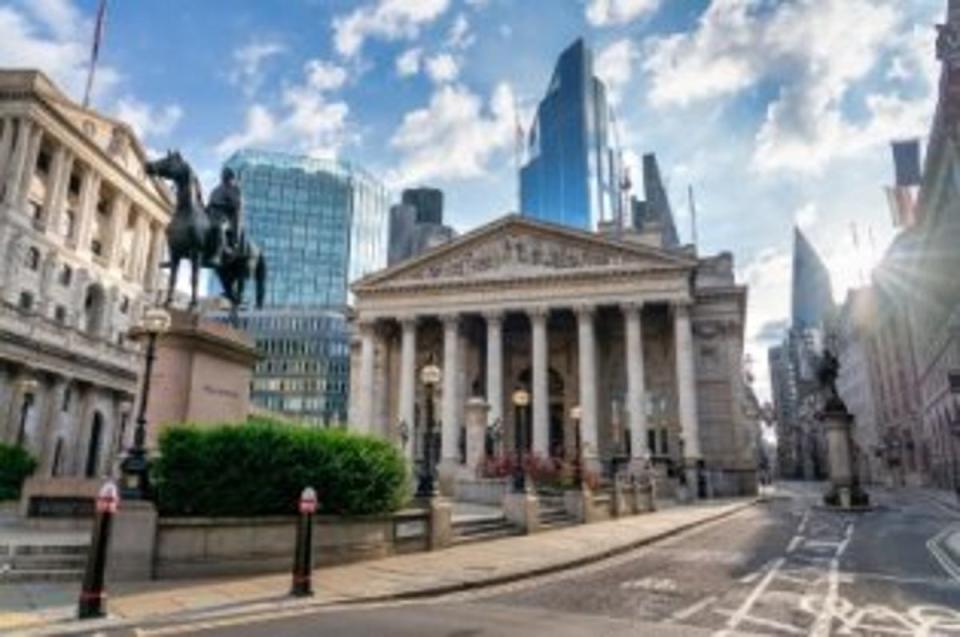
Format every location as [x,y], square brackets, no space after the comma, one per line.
[387,19]
[53,36]
[455,136]
[806,217]
[609,12]
[442,67]
[614,65]
[148,121]
[324,76]
[817,51]
[408,62]
[307,119]
[459,35]
[248,61]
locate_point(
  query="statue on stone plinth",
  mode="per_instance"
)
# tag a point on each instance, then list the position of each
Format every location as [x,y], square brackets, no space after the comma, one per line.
[210,236]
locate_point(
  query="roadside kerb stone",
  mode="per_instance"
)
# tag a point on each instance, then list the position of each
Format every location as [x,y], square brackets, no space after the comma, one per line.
[457,569]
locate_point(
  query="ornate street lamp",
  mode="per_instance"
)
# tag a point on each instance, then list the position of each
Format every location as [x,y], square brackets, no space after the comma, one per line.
[430,376]
[521,399]
[27,388]
[135,467]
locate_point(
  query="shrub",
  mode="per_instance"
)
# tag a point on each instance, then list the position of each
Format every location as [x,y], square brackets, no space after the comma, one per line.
[15,465]
[260,468]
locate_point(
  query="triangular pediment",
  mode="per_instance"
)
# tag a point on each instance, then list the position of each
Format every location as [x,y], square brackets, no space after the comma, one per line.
[519,247]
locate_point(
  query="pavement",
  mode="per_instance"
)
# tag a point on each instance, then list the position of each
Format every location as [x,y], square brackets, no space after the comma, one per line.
[786,566]
[48,609]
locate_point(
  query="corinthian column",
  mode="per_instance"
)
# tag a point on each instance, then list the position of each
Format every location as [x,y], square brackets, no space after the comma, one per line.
[449,453]
[686,383]
[15,167]
[635,384]
[495,368]
[586,343]
[365,402]
[541,383]
[408,380]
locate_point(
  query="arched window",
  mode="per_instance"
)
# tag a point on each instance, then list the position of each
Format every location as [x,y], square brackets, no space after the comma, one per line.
[33,259]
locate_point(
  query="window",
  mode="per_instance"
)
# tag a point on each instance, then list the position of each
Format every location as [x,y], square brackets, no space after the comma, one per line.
[36,211]
[26,300]
[33,259]
[60,314]
[124,305]
[96,247]
[74,184]
[66,275]
[43,162]
[67,399]
[69,224]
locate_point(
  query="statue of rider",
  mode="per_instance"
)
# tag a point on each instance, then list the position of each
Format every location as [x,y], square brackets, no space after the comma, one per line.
[226,214]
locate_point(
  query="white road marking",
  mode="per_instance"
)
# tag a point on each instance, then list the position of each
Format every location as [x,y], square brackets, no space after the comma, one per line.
[741,613]
[941,555]
[688,612]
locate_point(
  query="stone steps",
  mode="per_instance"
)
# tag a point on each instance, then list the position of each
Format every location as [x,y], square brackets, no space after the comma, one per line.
[42,562]
[481,529]
[552,517]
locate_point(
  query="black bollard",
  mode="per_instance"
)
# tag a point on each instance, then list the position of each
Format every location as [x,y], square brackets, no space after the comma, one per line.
[303,555]
[92,602]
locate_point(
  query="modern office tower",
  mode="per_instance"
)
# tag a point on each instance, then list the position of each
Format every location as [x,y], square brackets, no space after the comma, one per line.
[653,215]
[573,171]
[812,294]
[81,239]
[416,224]
[428,202]
[321,224]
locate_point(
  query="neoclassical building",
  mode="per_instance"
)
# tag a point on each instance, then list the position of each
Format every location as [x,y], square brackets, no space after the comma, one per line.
[628,350]
[81,238]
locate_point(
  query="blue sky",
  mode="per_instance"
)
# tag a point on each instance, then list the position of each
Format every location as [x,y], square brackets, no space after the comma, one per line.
[778,112]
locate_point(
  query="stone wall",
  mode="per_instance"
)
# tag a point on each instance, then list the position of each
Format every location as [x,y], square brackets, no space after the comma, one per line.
[204,546]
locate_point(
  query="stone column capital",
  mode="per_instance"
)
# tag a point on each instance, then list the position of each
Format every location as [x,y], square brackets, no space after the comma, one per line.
[584,311]
[451,319]
[408,321]
[538,313]
[494,316]
[632,306]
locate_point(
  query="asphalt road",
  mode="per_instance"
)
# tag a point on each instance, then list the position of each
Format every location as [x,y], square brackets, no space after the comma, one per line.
[786,567]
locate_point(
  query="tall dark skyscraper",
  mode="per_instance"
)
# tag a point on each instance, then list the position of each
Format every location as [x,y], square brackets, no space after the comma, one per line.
[812,294]
[573,171]
[428,202]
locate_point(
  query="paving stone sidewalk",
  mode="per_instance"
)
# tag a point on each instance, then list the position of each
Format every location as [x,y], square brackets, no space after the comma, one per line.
[46,609]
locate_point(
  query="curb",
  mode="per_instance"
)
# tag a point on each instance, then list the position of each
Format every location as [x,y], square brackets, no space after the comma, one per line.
[237,608]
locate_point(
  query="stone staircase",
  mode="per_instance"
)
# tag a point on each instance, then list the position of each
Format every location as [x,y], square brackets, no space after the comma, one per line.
[61,562]
[553,513]
[482,528]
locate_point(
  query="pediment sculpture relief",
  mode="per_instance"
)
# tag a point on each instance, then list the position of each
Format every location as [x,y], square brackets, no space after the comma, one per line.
[519,253]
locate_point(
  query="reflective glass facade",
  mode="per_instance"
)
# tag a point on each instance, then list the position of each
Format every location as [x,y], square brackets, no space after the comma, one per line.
[573,170]
[321,224]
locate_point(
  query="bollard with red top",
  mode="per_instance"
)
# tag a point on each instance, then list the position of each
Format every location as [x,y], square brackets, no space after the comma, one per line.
[303,555]
[92,598]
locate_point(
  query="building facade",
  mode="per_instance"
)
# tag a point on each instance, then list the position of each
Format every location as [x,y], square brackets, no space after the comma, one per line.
[630,352]
[321,224]
[573,173]
[81,239]
[935,314]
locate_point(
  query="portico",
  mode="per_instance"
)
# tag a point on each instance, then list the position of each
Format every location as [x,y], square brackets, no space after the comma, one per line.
[598,331]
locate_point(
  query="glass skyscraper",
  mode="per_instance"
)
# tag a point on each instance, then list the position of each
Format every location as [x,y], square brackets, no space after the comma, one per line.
[572,175]
[321,224]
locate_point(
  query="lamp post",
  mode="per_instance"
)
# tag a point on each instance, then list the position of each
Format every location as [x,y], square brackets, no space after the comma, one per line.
[27,388]
[135,466]
[430,376]
[521,399]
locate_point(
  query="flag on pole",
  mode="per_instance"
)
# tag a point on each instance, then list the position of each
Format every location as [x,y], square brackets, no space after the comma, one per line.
[95,49]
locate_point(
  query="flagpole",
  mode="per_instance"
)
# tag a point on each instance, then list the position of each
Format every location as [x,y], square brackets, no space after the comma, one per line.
[95,51]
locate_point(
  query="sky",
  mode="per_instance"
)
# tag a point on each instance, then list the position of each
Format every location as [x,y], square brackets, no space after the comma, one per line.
[777,112]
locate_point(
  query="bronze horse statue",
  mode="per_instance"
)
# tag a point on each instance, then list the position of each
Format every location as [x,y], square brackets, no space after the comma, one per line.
[192,235]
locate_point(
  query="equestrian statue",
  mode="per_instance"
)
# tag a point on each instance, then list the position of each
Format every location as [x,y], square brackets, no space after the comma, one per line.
[210,236]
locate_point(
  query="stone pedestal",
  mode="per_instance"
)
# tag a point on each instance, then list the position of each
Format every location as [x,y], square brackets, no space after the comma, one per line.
[133,538]
[476,423]
[523,511]
[621,506]
[844,490]
[441,522]
[447,473]
[202,374]
[579,505]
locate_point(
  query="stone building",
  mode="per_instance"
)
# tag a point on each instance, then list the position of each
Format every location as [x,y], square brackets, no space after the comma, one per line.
[629,350]
[81,238]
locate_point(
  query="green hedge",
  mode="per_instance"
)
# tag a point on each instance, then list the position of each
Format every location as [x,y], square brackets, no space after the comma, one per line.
[15,466]
[260,467]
